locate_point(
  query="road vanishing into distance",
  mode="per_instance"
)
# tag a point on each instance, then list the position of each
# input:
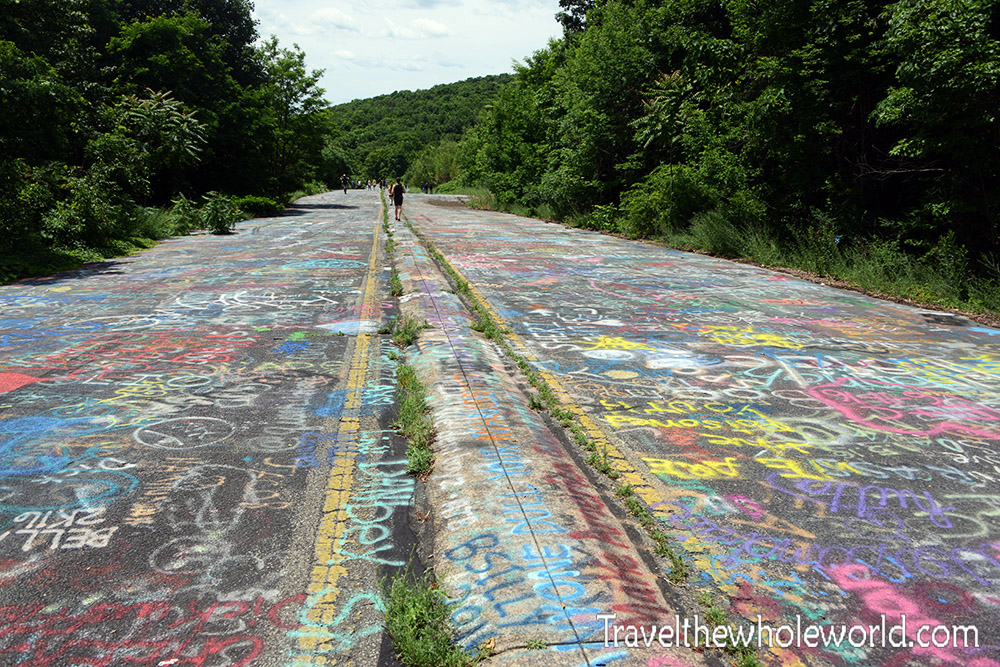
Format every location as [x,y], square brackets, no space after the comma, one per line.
[198,464]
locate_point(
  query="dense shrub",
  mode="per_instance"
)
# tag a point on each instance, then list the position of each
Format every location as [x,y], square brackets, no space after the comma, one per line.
[219,214]
[186,215]
[259,207]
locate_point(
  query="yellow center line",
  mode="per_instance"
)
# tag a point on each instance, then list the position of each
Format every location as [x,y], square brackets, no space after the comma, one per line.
[329,554]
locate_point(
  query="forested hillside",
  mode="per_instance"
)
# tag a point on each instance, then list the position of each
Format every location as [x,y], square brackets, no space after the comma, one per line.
[840,136]
[411,132]
[116,116]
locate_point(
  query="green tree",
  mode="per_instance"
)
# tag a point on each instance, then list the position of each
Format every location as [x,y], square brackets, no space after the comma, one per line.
[297,121]
[383,135]
[435,165]
[230,22]
[942,109]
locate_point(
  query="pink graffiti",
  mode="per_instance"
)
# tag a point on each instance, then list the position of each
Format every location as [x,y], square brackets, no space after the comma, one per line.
[883,406]
[12,381]
[748,506]
[880,598]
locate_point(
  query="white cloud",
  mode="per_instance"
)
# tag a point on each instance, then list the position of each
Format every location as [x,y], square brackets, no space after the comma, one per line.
[408,66]
[331,17]
[433,4]
[350,56]
[420,28]
[388,45]
[432,28]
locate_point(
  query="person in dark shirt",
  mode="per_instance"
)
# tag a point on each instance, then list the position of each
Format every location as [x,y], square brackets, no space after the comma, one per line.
[396,192]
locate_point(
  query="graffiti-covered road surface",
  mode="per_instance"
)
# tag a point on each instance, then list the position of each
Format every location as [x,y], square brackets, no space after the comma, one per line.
[825,460]
[196,464]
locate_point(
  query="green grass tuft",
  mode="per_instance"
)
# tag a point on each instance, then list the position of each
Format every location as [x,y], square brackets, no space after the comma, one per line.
[407,331]
[395,284]
[414,423]
[416,617]
[535,402]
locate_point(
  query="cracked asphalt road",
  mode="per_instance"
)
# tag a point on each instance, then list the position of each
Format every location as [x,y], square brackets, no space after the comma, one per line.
[821,457]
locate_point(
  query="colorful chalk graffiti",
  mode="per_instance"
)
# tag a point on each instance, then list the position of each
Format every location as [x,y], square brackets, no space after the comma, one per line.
[526,545]
[820,454]
[171,425]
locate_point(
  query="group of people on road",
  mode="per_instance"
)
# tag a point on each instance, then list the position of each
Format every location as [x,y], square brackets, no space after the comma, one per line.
[396,190]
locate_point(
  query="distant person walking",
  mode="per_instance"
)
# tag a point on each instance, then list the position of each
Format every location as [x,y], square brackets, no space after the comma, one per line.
[396,192]
[345,181]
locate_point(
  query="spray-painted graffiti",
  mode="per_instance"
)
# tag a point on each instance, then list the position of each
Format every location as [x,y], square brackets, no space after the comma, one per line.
[169,429]
[818,453]
[526,545]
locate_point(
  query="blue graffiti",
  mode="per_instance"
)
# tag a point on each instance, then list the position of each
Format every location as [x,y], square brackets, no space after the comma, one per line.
[32,445]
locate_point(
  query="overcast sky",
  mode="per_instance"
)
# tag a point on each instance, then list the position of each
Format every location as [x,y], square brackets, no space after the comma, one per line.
[376,47]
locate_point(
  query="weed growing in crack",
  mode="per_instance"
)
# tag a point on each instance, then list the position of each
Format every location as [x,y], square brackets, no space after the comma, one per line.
[407,331]
[414,422]
[417,614]
[535,402]
[388,326]
[716,616]
[679,571]
[395,285]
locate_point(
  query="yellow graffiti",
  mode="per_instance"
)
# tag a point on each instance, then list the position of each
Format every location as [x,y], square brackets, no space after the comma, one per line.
[614,343]
[761,423]
[740,336]
[759,443]
[730,467]
[797,470]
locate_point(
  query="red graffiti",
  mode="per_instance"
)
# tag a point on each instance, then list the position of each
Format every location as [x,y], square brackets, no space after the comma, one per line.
[145,632]
[12,381]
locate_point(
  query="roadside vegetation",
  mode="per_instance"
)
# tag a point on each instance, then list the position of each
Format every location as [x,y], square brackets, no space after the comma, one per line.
[417,617]
[855,141]
[414,422]
[126,122]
